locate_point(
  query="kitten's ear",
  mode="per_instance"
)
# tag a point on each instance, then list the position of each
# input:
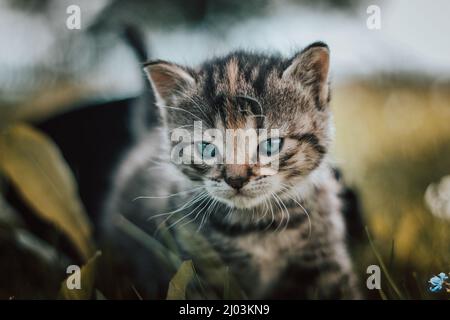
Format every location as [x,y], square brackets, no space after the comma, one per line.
[167,79]
[310,68]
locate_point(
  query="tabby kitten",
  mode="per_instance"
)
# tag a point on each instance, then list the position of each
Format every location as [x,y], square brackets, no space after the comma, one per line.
[280,233]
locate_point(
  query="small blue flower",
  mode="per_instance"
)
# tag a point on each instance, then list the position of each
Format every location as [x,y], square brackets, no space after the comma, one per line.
[443,276]
[437,282]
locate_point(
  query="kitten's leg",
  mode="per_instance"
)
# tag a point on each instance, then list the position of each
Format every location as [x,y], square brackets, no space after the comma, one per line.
[335,283]
[317,277]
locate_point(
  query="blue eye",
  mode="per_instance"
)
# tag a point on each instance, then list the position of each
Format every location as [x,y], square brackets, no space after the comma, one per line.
[271,146]
[207,150]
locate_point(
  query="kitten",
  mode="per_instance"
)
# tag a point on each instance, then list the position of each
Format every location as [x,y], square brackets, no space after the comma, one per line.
[280,232]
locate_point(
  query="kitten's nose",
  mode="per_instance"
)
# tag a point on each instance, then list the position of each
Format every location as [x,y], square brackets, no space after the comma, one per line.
[236,182]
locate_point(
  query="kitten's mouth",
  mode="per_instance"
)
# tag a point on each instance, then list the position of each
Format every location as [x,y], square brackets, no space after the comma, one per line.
[239,192]
[239,195]
[240,199]
[236,195]
[243,198]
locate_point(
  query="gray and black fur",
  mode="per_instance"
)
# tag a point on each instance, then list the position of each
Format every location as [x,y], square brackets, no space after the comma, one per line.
[281,235]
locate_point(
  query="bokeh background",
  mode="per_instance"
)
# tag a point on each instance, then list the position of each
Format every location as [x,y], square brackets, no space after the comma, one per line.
[63,94]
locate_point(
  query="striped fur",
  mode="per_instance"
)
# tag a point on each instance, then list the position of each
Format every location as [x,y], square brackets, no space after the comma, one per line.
[282,235]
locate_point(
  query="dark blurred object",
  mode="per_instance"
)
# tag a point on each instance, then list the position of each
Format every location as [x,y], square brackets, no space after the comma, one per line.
[161,13]
[144,111]
[92,139]
[31,6]
[330,3]
[352,211]
[38,278]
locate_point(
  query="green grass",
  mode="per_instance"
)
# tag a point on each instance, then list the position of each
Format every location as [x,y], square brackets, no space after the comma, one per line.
[392,141]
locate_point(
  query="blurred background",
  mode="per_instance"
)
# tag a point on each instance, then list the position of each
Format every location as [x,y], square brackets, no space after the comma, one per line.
[66,97]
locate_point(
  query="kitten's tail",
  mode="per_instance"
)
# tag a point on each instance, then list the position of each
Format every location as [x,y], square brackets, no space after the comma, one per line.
[135,39]
[144,115]
[352,211]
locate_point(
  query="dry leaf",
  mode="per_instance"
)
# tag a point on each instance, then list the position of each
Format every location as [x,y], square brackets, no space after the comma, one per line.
[37,169]
[87,276]
[180,281]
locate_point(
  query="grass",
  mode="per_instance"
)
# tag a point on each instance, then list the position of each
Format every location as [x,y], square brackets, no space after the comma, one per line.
[392,141]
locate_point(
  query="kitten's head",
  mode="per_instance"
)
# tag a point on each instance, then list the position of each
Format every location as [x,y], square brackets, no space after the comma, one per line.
[248,91]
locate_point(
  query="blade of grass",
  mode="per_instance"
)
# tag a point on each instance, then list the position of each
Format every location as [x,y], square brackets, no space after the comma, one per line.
[99,295]
[419,285]
[168,239]
[226,284]
[136,292]
[180,281]
[165,255]
[383,295]
[383,266]
[392,254]
[199,281]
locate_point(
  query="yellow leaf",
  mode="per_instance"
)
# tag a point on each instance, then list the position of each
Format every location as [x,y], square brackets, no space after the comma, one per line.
[87,276]
[179,282]
[37,169]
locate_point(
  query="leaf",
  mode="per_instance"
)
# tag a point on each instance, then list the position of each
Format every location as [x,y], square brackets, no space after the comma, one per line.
[166,256]
[179,282]
[87,282]
[99,295]
[37,169]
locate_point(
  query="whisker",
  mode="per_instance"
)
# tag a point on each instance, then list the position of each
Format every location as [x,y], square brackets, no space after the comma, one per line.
[287,212]
[253,100]
[292,197]
[180,109]
[266,206]
[264,211]
[207,214]
[205,198]
[281,209]
[271,212]
[197,215]
[180,127]
[199,105]
[168,196]
[184,206]
[195,103]
[229,213]
[284,211]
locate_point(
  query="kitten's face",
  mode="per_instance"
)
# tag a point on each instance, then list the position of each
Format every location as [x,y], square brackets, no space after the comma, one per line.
[247,91]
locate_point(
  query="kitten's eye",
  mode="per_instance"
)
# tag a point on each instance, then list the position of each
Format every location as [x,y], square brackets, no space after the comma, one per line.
[207,150]
[270,147]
